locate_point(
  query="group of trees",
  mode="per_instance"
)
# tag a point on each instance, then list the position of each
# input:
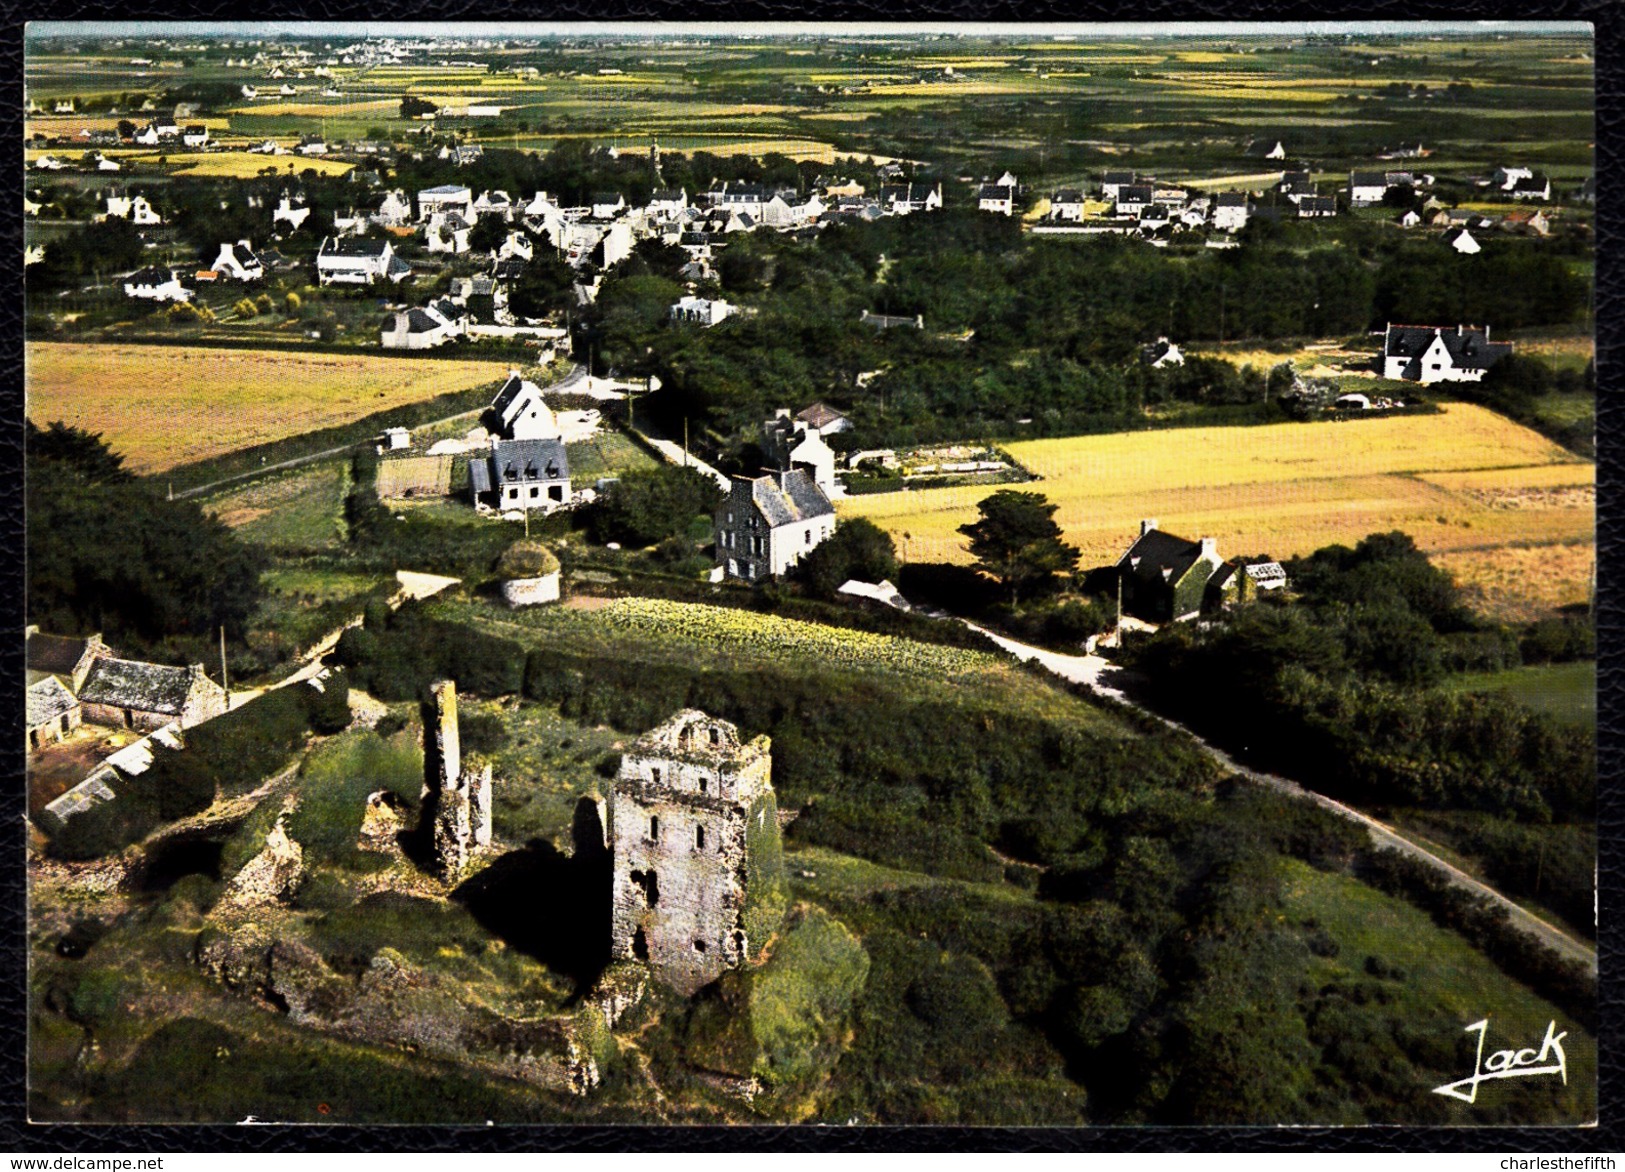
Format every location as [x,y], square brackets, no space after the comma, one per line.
[108,553]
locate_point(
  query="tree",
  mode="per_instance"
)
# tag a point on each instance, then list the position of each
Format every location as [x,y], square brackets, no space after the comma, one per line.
[126,128]
[1018,542]
[642,507]
[412,107]
[858,549]
[487,235]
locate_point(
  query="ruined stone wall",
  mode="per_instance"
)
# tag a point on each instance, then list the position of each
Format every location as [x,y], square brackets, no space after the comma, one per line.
[112,717]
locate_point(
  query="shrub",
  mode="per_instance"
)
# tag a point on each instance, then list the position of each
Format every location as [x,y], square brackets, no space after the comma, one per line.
[291,304]
[527,559]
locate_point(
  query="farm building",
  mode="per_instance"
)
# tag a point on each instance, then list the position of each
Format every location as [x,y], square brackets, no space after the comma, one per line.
[107,780]
[1113,182]
[1163,578]
[522,474]
[1315,206]
[67,657]
[1430,354]
[125,693]
[769,522]
[1265,148]
[1237,581]
[824,419]
[53,712]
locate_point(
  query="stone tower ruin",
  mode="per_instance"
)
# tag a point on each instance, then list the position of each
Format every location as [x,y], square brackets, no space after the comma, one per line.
[698,870]
[458,801]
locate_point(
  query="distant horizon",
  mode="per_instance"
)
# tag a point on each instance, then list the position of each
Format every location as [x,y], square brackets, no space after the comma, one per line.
[644,29]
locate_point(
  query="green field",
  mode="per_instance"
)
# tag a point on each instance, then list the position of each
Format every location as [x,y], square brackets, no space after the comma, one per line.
[1567,691]
[300,509]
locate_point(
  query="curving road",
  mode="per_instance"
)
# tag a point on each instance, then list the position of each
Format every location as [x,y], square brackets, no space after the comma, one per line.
[1089,671]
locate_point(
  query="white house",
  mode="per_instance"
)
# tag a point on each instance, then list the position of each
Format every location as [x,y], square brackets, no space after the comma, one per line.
[1162,353]
[515,246]
[48,163]
[493,203]
[312,144]
[352,261]
[1230,211]
[250,92]
[900,199]
[666,205]
[291,211]
[133,208]
[1112,182]
[769,523]
[1007,180]
[394,210]
[33,254]
[1133,198]
[1266,148]
[522,474]
[444,199]
[700,311]
[1506,178]
[103,163]
[63,106]
[416,329]
[520,412]
[791,443]
[824,419]
[1462,241]
[156,284]
[1532,187]
[998,198]
[1429,354]
[1066,204]
[606,205]
[195,136]
[238,262]
[446,232]
[1367,188]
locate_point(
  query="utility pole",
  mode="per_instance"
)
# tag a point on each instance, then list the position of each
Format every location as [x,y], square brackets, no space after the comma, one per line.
[224,683]
[685,441]
[527,522]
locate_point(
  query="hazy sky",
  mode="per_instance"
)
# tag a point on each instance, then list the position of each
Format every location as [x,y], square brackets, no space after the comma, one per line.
[49,28]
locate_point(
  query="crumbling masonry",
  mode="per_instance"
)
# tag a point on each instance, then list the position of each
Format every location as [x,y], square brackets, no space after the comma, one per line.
[694,833]
[459,800]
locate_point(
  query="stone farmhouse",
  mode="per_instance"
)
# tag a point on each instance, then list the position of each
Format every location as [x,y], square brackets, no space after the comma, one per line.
[238,262]
[125,693]
[1430,354]
[768,523]
[1163,578]
[691,817]
[522,474]
[824,419]
[791,443]
[64,656]
[52,712]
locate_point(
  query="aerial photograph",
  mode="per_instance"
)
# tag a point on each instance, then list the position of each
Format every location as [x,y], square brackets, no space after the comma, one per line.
[859,575]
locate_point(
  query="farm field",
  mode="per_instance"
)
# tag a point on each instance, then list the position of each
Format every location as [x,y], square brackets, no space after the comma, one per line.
[1567,691]
[161,406]
[1288,489]
[299,509]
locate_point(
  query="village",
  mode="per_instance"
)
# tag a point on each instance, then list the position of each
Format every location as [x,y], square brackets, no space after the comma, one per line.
[627,633]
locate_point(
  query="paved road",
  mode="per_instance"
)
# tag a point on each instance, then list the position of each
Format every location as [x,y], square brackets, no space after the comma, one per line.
[570,383]
[1091,670]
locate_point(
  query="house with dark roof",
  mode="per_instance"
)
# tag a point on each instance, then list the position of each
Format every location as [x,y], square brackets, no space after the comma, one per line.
[1230,211]
[65,656]
[824,419]
[1295,185]
[901,199]
[1114,181]
[522,474]
[1163,578]
[346,260]
[790,443]
[415,329]
[996,198]
[1316,206]
[1431,354]
[154,283]
[238,262]
[53,712]
[1133,198]
[126,693]
[768,523]
[1367,188]
[1265,148]
[520,412]
[1535,186]
[1066,204]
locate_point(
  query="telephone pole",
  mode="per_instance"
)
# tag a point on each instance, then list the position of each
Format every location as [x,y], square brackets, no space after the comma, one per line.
[224,682]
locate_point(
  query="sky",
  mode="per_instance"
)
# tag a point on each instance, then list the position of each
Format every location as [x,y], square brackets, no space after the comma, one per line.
[519,29]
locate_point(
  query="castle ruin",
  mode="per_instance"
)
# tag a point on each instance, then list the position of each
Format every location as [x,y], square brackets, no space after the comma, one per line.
[698,871]
[459,800]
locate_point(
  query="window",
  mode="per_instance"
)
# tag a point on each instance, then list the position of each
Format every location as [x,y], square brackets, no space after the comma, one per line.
[699,838]
[555,492]
[654,829]
[809,536]
[699,946]
[716,736]
[704,784]
[654,775]
[513,494]
[534,491]
[64,726]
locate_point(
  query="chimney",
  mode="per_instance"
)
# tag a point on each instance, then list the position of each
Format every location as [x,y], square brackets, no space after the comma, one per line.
[1210,549]
[1147,525]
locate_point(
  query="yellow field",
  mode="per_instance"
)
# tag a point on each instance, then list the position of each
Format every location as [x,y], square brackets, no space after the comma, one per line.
[325,108]
[166,405]
[1288,489]
[242,165]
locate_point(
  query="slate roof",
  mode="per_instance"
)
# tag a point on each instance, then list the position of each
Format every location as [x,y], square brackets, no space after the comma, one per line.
[529,461]
[511,390]
[1317,203]
[1232,199]
[819,415]
[786,497]
[1116,177]
[48,700]
[994,191]
[57,654]
[479,476]
[1134,193]
[666,195]
[1222,576]
[145,687]
[1531,183]
[353,246]
[1068,195]
[1161,557]
[446,189]
[1469,347]
[1368,179]
[1267,572]
[151,275]
[448,309]
[417,321]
